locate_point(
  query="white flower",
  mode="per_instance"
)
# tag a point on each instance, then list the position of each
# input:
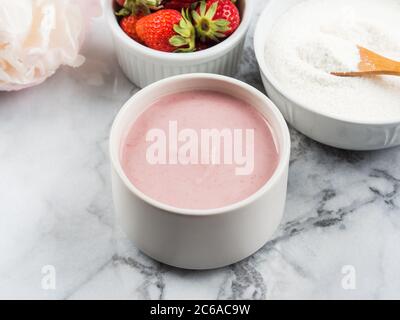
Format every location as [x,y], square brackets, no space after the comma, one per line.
[38,36]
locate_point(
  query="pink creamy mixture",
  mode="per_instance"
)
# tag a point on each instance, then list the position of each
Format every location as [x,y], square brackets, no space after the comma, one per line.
[198,186]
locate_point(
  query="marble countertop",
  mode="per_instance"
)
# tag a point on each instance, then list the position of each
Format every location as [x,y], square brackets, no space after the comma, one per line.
[339,239]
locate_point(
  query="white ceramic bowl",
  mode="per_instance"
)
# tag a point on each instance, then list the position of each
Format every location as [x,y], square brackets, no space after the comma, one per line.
[143,65]
[199,239]
[333,131]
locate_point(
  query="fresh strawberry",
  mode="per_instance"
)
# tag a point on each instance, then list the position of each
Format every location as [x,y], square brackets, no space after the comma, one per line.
[216,19]
[179,4]
[128,24]
[167,30]
[131,12]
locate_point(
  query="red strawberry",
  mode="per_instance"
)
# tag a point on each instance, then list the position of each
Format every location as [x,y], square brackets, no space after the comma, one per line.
[216,19]
[132,11]
[167,30]
[179,4]
[128,24]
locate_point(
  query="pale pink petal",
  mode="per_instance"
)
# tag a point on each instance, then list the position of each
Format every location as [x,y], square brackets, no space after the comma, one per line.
[38,36]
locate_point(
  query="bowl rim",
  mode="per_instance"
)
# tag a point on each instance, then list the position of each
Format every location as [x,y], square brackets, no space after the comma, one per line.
[279,173]
[260,41]
[210,53]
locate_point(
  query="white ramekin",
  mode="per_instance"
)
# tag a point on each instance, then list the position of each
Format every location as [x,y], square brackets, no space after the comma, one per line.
[338,132]
[199,239]
[143,65]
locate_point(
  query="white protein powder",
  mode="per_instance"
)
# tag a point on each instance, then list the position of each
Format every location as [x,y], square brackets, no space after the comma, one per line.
[317,37]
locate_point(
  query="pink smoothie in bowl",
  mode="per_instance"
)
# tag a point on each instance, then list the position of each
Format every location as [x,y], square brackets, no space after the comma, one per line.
[199,170]
[199,150]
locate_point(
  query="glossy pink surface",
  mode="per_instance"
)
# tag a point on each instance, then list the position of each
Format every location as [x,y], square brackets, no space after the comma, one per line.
[199,186]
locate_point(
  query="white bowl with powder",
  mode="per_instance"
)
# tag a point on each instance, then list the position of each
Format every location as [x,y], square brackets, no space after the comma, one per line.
[299,42]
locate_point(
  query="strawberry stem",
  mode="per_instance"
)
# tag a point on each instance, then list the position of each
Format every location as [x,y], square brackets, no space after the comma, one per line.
[206,26]
[185,40]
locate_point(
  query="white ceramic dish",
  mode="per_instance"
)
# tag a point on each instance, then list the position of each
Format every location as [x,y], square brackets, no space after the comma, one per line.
[333,131]
[143,65]
[199,239]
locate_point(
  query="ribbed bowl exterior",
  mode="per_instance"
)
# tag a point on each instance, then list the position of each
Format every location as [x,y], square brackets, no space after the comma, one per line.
[143,71]
[334,132]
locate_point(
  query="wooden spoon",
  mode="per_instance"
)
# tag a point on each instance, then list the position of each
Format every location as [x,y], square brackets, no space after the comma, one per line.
[371,64]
